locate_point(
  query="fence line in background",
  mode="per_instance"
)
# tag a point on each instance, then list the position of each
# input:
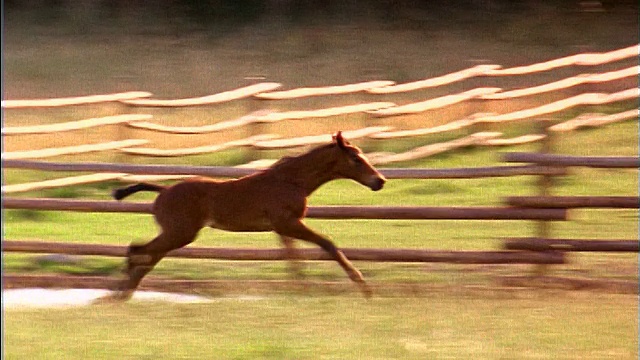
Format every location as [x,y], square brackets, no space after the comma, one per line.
[70,101]
[226,96]
[594,120]
[261,89]
[586,59]
[317,139]
[205,129]
[560,105]
[62,182]
[433,149]
[478,70]
[610,162]
[582,245]
[376,109]
[250,141]
[432,104]
[75,125]
[565,84]
[618,202]
[71,150]
[268,141]
[324,90]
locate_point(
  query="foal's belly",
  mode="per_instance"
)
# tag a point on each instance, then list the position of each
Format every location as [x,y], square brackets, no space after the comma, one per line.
[256,225]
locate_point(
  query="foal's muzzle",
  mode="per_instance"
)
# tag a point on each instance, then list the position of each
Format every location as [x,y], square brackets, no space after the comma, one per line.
[377,184]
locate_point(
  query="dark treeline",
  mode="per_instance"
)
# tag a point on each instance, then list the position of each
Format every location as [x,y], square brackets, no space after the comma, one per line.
[234,12]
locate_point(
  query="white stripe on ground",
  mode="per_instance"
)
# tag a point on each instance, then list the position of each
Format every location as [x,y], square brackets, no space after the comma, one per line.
[46,298]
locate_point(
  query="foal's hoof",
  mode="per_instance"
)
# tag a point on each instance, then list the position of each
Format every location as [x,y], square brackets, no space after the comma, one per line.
[366,290]
[113,298]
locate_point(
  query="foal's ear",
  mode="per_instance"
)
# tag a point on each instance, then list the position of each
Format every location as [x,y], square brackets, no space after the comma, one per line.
[342,143]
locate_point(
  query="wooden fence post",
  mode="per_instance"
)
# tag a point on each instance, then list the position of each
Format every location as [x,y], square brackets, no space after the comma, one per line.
[254,104]
[545,183]
[370,145]
[477,105]
[123,132]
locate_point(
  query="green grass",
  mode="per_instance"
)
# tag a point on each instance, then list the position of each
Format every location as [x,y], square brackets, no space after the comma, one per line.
[543,325]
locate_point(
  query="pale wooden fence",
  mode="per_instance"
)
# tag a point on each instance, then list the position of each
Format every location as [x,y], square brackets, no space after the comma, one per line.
[266,92]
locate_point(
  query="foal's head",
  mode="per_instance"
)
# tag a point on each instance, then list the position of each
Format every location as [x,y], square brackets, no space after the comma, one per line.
[352,164]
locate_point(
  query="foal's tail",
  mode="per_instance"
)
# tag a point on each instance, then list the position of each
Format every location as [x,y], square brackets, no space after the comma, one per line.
[122,193]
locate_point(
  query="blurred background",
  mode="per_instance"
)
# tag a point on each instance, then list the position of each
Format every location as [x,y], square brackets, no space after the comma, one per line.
[190,47]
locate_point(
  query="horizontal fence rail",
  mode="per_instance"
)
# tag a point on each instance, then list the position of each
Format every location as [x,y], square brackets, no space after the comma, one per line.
[565,83]
[72,150]
[317,212]
[590,245]
[70,101]
[262,90]
[75,125]
[561,105]
[324,90]
[235,254]
[629,162]
[234,172]
[619,202]
[226,96]
[594,120]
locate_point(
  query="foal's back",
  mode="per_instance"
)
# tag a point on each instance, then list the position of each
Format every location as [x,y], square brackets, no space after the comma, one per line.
[245,204]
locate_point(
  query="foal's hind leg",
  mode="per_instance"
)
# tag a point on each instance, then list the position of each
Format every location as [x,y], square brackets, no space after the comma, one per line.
[292,255]
[138,265]
[142,258]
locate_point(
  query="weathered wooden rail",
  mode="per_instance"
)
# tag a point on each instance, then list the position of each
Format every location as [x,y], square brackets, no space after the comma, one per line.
[585,245]
[605,162]
[235,172]
[239,254]
[619,202]
[543,242]
[317,212]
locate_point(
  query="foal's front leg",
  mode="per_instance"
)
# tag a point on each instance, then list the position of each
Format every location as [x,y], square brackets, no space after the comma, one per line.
[296,229]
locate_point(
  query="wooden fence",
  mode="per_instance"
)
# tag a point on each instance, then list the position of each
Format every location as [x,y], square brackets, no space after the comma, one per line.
[319,212]
[538,251]
[543,208]
[266,93]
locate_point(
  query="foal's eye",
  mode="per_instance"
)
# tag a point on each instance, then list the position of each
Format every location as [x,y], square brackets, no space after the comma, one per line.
[357,160]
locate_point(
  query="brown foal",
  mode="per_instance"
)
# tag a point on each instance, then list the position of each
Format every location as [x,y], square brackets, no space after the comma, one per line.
[271,200]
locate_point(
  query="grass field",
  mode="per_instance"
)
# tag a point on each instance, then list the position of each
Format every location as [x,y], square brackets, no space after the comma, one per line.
[468,314]
[455,321]
[533,325]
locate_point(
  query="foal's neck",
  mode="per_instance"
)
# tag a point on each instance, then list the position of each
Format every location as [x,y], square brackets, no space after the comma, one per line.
[308,171]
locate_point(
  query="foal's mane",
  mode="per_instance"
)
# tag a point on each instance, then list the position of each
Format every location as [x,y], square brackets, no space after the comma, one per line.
[291,160]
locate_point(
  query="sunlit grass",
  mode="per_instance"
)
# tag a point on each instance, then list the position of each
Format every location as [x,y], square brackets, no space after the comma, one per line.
[529,325]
